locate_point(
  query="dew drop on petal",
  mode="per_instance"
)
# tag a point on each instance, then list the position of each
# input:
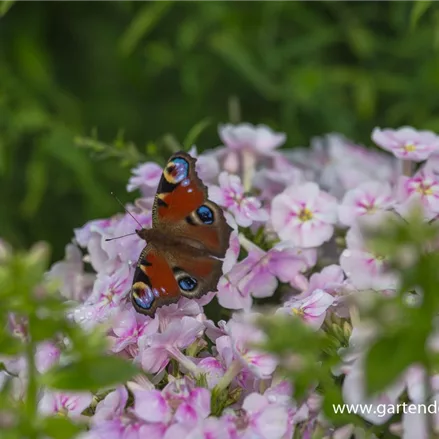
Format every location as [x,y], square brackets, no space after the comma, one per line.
[346,253]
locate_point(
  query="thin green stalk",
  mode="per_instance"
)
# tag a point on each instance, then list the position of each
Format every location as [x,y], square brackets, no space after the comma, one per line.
[32,389]
[228,377]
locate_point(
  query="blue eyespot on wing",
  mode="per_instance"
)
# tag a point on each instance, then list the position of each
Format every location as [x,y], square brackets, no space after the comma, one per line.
[205,214]
[187,283]
[177,170]
[142,295]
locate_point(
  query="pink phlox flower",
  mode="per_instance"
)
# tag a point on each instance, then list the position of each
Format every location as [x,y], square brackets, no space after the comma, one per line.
[91,236]
[17,326]
[75,284]
[213,331]
[176,311]
[330,280]
[125,428]
[108,293]
[354,392]
[415,378]
[210,428]
[311,309]
[243,337]
[281,394]
[260,138]
[177,403]
[257,275]
[421,189]
[273,180]
[156,350]
[71,404]
[304,215]
[230,195]
[364,269]
[338,164]
[262,419]
[151,406]
[368,198]
[207,166]
[127,327]
[46,356]
[232,253]
[112,406]
[146,177]
[128,248]
[407,143]
[194,408]
[213,369]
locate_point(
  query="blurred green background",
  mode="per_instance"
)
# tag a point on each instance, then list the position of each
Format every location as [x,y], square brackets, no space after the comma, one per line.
[129,74]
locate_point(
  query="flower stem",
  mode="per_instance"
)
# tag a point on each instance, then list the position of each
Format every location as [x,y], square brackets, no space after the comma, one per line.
[228,377]
[31,393]
[248,169]
[184,361]
[234,110]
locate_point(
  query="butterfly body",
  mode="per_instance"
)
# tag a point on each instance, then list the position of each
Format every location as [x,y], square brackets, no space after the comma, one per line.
[184,248]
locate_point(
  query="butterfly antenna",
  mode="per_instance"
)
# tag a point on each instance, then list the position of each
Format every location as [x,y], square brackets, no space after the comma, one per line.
[126,210]
[123,236]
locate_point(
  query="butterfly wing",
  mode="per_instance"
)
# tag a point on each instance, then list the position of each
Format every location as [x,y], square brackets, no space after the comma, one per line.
[182,208]
[162,276]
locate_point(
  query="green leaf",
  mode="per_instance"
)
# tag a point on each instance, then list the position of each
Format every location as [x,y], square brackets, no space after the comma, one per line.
[10,345]
[5,6]
[419,9]
[390,356]
[142,24]
[240,59]
[44,329]
[60,428]
[92,373]
[195,132]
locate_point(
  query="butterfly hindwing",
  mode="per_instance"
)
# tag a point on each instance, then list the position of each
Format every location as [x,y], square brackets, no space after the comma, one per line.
[162,276]
[154,283]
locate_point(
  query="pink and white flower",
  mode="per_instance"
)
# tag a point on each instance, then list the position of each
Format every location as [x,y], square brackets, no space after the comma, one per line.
[146,177]
[156,350]
[311,309]
[337,164]
[258,274]
[304,215]
[106,298]
[128,326]
[230,195]
[112,406]
[75,284]
[364,269]
[260,138]
[421,190]
[151,406]
[368,198]
[244,336]
[71,404]
[264,420]
[407,143]
[46,356]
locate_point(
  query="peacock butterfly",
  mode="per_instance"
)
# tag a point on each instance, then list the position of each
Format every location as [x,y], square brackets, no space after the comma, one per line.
[186,244]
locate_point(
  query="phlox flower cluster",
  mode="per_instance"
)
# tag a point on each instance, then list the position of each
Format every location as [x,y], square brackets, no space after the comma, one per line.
[296,244]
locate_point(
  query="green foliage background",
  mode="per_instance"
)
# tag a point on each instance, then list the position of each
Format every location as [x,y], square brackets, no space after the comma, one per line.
[136,71]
